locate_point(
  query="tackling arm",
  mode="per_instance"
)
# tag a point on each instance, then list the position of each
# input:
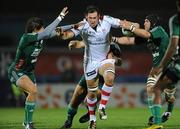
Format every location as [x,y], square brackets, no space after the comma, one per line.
[124,40]
[49,30]
[134,27]
[76,44]
[70,33]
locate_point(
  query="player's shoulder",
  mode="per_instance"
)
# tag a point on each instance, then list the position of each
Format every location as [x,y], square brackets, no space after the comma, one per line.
[174,19]
[157,28]
[26,37]
[29,35]
[84,24]
[106,18]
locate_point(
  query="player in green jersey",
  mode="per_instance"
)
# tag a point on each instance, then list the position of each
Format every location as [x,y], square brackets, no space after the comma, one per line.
[172,70]
[21,70]
[157,41]
[80,91]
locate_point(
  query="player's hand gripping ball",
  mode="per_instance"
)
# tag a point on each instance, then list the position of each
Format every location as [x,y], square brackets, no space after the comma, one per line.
[126,32]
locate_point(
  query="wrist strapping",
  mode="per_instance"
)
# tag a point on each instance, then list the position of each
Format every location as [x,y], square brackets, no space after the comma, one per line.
[132,28]
[114,39]
[62,15]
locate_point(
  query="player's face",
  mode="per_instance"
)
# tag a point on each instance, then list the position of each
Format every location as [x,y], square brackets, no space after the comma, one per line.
[147,24]
[93,19]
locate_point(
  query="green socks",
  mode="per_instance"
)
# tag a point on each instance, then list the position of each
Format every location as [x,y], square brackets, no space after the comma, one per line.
[155,110]
[29,109]
[170,107]
[71,113]
[157,113]
[150,104]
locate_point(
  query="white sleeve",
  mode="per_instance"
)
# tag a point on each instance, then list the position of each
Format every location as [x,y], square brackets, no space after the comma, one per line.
[77,31]
[115,22]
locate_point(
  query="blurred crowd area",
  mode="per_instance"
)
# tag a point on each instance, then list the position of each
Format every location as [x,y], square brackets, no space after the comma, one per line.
[57,64]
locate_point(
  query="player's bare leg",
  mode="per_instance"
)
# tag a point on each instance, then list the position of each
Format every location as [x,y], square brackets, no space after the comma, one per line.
[91,101]
[107,70]
[78,97]
[31,89]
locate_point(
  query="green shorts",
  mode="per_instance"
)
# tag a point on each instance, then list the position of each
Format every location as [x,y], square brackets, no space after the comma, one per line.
[14,75]
[83,84]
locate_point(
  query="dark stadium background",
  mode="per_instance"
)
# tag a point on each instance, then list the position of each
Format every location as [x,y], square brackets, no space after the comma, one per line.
[13,16]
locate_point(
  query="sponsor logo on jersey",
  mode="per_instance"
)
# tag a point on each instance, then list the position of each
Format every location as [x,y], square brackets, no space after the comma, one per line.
[36,52]
[20,74]
[155,54]
[91,73]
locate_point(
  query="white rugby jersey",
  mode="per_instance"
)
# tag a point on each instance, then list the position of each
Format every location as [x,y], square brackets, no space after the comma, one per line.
[97,41]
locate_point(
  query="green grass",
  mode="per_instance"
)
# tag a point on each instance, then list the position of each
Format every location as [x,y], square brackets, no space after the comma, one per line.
[118,118]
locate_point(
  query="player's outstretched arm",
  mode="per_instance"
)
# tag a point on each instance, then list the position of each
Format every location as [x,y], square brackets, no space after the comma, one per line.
[49,31]
[76,44]
[71,33]
[124,40]
[134,27]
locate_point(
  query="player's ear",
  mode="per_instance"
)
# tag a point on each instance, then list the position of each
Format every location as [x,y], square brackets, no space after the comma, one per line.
[86,18]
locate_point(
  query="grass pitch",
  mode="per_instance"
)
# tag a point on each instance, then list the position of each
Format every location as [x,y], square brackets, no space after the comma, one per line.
[118,118]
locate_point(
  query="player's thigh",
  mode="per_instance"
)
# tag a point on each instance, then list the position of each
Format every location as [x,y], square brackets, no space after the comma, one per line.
[79,91]
[107,65]
[91,71]
[26,84]
[92,83]
[23,81]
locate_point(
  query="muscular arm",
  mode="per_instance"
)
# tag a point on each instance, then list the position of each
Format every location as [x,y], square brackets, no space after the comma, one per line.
[67,35]
[134,27]
[142,33]
[76,44]
[170,51]
[71,33]
[124,40]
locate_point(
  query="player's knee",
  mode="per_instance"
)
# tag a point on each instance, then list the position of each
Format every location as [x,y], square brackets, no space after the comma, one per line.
[109,79]
[33,91]
[92,92]
[149,89]
[82,91]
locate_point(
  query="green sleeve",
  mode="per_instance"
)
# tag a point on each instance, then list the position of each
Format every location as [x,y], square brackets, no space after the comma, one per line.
[156,32]
[174,26]
[31,37]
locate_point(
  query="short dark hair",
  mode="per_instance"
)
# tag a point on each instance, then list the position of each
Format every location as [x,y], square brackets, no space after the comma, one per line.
[92,9]
[33,23]
[154,19]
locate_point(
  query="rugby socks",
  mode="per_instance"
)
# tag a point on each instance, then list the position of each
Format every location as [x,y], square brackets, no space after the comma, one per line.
[71,113]
[29,109]
[91,107]
[150,104]
[157,113]
[105,95]
[170,106]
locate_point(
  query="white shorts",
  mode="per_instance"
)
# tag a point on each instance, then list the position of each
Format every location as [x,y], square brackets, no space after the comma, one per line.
[91,68]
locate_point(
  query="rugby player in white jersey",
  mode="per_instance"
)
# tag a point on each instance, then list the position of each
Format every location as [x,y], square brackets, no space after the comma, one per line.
[95,34]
